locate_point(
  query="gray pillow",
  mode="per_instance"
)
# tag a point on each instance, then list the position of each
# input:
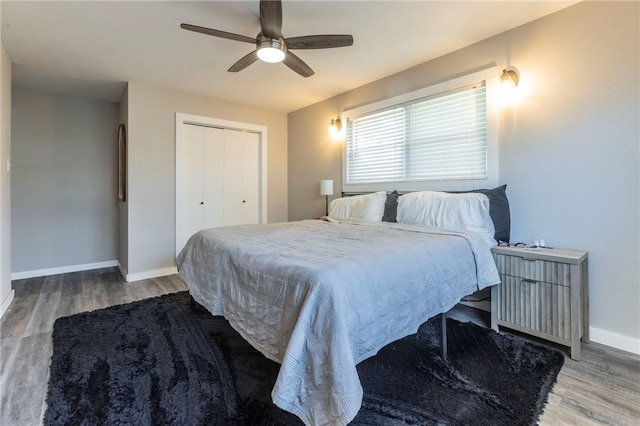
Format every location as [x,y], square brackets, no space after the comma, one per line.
[391,207]
[498,210]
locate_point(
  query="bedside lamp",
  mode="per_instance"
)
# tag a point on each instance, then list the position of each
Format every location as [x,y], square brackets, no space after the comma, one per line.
[326,189]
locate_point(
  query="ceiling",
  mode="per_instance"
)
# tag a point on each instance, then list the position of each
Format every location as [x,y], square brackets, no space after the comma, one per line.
[90,48]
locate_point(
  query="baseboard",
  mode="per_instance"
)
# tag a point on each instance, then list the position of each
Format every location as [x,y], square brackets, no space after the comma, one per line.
[6,302]
[123,271]
[150,274]
[63,270]
[615,340]
[88,266]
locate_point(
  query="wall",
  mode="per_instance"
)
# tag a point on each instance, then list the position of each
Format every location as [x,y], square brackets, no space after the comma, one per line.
[6,293]
[123,219]
[151,205]
[568,150]
[313,156]
[64,193]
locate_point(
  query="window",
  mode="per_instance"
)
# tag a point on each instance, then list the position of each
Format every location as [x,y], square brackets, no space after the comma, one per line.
[439,137]
[400,142]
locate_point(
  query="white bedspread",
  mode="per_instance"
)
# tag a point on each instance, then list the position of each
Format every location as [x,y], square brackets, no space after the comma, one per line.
[319,297]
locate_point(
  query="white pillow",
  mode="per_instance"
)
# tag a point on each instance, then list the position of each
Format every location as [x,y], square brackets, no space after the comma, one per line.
[466,212]
[366,207]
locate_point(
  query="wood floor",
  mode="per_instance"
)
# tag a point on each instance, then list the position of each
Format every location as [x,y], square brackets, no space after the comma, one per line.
[603,388]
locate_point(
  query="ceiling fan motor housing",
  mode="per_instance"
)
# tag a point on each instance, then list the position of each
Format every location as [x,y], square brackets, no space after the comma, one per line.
[269,49]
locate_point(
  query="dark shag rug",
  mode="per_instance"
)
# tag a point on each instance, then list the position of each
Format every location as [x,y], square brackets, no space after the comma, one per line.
[161,361]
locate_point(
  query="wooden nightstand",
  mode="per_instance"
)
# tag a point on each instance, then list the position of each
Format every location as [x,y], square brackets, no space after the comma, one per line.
[544,293]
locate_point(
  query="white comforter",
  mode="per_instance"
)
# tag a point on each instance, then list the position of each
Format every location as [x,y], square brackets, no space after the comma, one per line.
[319,297]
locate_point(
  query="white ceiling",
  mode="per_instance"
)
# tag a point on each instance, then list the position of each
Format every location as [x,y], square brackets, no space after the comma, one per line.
[90,48]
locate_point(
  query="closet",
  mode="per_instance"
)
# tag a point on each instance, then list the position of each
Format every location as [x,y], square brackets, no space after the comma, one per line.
[217,179]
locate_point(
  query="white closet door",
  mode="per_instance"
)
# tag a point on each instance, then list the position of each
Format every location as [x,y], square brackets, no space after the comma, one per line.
[191,184]
[241,178]
[251,178]
[219,175]
[218,180]
[213,177]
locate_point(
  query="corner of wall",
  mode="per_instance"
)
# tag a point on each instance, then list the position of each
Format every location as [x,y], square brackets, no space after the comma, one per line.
[6,293]
[123,207]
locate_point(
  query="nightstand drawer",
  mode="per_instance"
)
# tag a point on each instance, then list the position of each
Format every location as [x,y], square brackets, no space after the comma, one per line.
[535,305]
[534,269]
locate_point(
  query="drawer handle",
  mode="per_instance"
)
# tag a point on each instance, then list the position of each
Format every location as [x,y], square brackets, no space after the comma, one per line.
[529,280]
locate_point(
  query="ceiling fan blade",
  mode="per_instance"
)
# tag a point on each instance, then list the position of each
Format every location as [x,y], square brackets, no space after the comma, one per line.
[244,62]
[271,18]
[298,65]
[319,41]
[217,33]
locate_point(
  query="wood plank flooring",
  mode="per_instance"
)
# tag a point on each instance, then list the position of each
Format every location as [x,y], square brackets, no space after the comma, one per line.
[603,388]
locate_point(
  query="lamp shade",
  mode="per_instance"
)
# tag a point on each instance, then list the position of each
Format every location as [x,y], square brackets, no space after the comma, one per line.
[326,187]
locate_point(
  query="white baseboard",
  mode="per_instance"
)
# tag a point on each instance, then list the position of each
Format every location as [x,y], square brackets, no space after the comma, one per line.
[615,340]
[88,266]
[123,271]
[150,274]
[63,270]
[6,302]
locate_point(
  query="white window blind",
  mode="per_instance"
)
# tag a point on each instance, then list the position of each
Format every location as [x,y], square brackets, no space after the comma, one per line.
[440,137]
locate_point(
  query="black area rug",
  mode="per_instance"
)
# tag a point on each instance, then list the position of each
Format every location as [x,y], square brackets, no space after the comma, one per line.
[160,361]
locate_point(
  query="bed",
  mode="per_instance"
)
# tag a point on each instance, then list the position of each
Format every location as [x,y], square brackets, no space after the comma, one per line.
[319,296]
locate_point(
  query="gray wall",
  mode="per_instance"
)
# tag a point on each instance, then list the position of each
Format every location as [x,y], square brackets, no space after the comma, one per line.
[151,139]
[569,150]
[123,219]
[64,193]
[5,180]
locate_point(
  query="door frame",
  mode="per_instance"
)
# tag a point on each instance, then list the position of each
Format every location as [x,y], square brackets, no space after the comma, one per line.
[189,119]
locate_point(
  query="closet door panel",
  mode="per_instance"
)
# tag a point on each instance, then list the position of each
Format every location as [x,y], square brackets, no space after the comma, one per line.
[191,184]
[233,153]
[213,177]
[251,178]
[241,178]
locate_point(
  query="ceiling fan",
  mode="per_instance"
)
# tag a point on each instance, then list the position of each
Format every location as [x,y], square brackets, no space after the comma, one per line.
[271,45]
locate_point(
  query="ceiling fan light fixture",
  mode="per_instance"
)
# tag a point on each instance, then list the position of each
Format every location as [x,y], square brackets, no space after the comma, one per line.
[271,50]
[271,46]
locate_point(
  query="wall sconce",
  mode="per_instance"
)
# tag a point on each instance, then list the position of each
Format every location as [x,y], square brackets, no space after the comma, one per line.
[335,127]
[508,83]
[510,78]
[326,189]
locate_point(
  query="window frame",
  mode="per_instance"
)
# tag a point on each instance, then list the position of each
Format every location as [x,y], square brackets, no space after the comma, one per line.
[491,79]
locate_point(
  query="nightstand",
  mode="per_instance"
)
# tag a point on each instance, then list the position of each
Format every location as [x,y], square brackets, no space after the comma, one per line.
[544,292]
